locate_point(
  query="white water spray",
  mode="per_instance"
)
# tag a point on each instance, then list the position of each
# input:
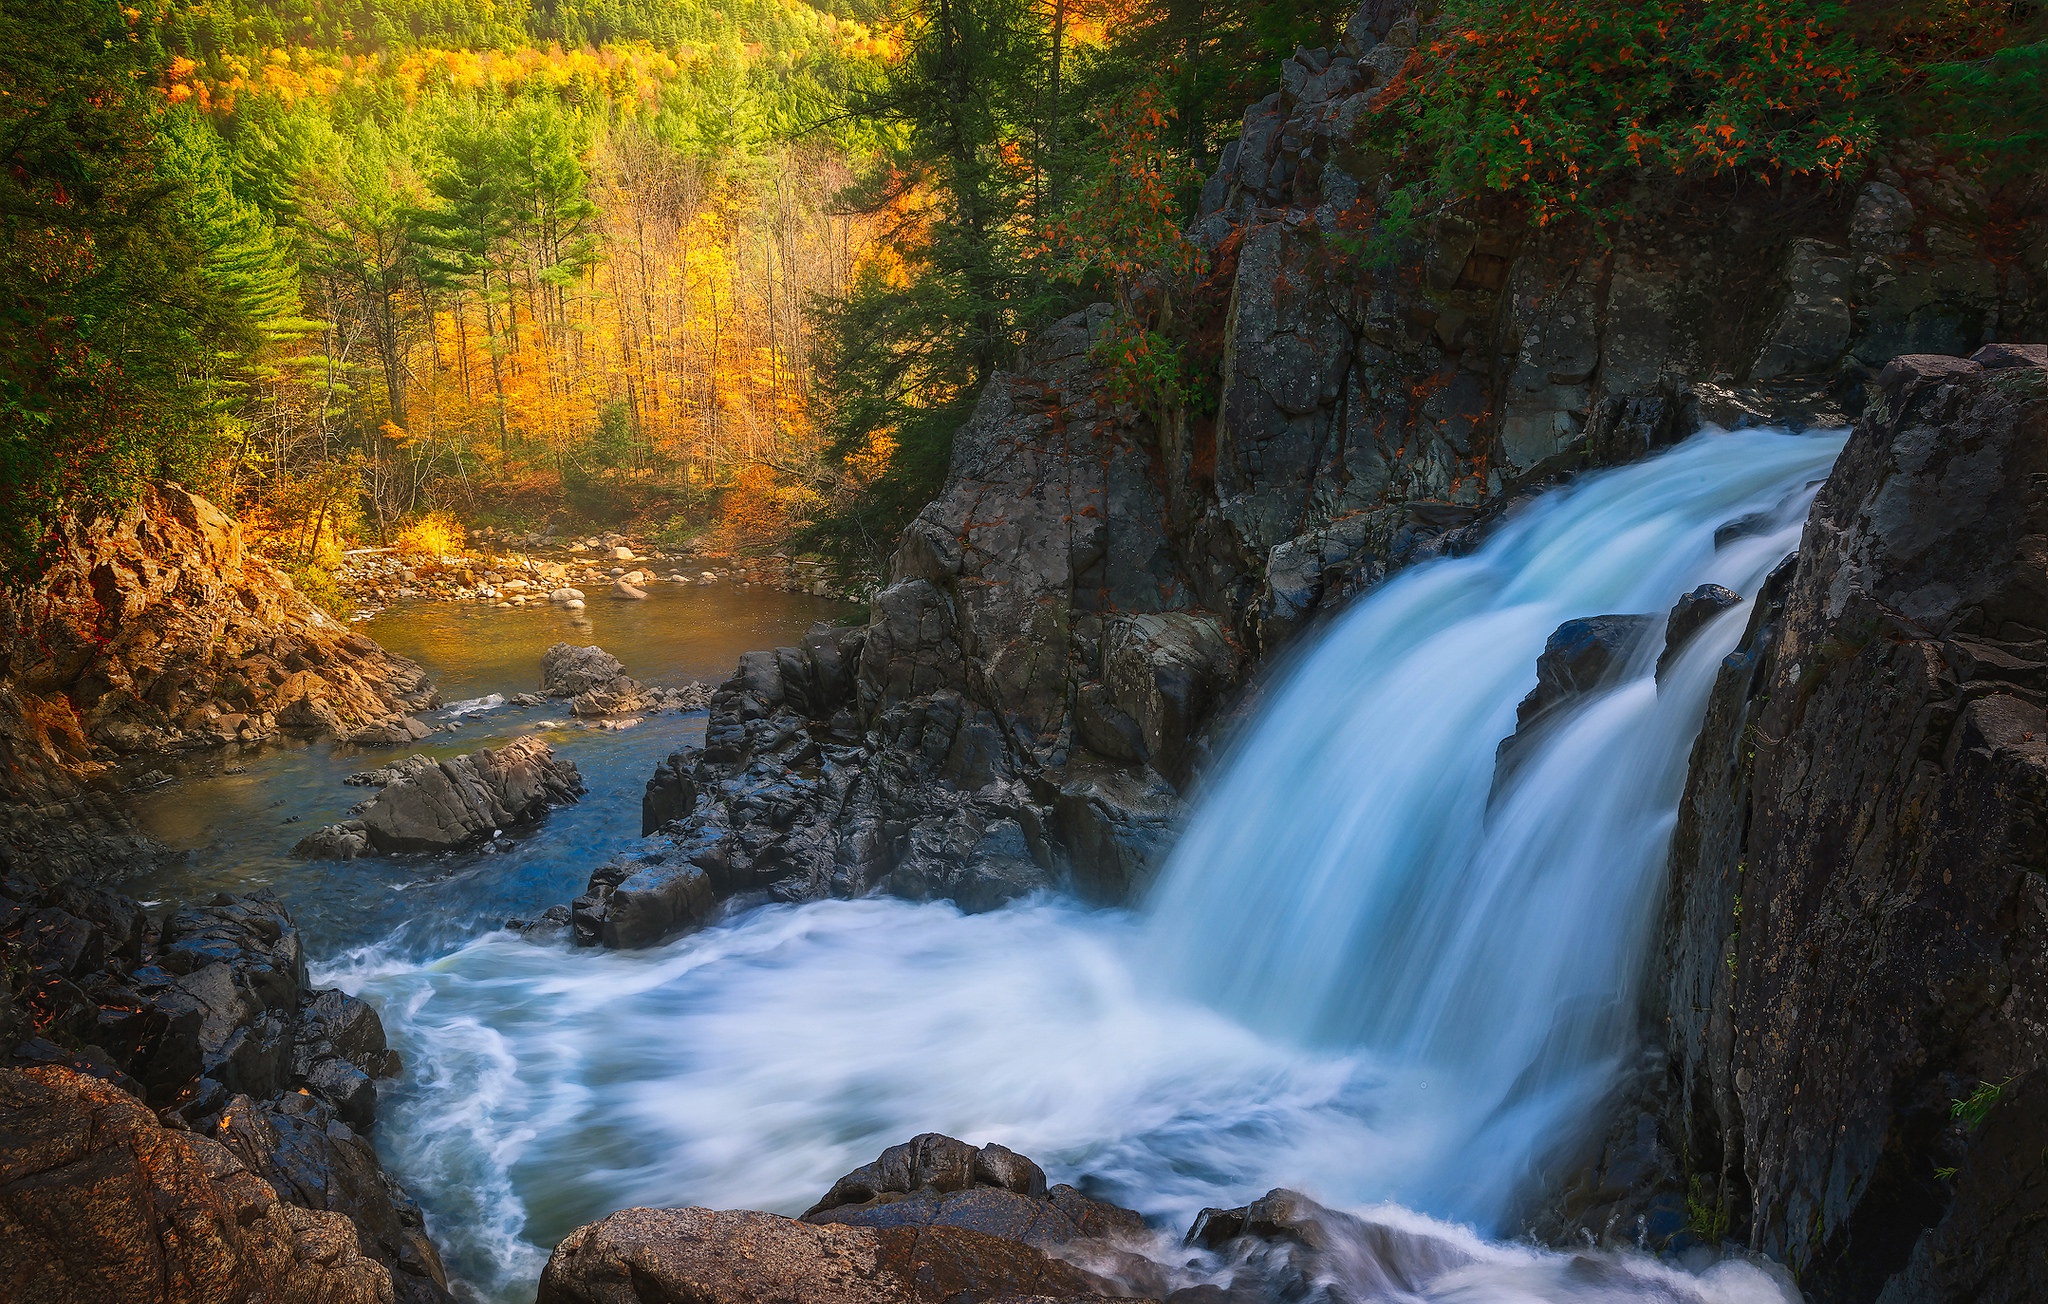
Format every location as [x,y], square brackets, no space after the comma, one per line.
[1355,978]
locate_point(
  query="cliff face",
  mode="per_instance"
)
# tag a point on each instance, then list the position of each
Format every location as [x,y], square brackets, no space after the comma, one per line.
[158,631]
[1857,938]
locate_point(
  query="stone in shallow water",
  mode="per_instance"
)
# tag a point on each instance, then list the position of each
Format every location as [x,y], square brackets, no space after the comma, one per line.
[432,806]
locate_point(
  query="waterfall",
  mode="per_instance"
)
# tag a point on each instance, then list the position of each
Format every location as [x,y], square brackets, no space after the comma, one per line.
[1366,971]
[1345,880]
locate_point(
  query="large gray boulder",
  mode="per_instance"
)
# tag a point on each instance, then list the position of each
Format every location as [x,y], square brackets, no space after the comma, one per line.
[431,805]
[598,687]
[566,670]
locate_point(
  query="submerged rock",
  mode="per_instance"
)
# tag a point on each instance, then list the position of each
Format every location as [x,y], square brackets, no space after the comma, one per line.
[434,805]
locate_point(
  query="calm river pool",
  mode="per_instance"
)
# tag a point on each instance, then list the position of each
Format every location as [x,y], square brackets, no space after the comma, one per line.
[237,816]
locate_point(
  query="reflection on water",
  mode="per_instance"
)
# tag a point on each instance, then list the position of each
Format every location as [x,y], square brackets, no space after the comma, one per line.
[681,632]
[237,816]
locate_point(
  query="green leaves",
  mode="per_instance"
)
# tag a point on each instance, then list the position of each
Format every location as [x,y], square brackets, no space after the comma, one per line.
[140,289]
[1561,104]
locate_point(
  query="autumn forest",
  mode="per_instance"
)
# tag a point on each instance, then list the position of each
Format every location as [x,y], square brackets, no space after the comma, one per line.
[734,271]
[698,266]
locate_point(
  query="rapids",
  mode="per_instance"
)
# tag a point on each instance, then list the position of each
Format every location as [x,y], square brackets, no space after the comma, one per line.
[1363,973]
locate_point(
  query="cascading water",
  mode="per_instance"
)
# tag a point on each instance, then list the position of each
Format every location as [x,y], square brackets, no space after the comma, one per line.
[1343,881]
[1362,974]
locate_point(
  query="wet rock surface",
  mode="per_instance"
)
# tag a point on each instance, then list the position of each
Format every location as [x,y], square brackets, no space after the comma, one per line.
[429,805]
[936,1181]
[1692,613]
[1855,979]
[1580,657]
[650,1256]
[157,631]
[207,1077]
[789,799]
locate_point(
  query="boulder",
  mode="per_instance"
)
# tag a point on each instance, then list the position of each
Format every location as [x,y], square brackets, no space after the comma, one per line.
[566,670]
[642,901]
[705,1256]
[598,687]
[937,1181]
[932,1221]
[1689,615]
[436,805]
[208,1020]
[1580,657]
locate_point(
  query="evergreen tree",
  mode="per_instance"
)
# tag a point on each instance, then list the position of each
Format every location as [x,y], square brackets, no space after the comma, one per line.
[138,288]
[906,353]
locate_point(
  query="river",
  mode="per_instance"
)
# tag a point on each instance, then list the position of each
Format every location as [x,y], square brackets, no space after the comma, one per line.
[1366,973]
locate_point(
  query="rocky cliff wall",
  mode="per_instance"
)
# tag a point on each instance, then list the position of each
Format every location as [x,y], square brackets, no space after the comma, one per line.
[1856,958]
[158,631]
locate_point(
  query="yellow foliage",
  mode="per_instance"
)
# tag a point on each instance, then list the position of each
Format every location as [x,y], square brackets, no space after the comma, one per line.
[759,509]
[872,458]
[436,534]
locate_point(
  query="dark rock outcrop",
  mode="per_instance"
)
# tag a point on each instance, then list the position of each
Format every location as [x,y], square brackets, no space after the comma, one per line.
[932,1221]
[429,805]
[232,1071]
[788,798]
[155,632]
[1067,622]
[1856,982]
[597,686]
[936,1181]
[1689,615]
[1582,656]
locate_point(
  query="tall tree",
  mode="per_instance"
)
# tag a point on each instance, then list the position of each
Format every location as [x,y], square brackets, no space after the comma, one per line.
[908,348]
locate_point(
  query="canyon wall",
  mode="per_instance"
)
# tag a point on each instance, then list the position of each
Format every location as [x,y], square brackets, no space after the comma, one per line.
[155,632]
